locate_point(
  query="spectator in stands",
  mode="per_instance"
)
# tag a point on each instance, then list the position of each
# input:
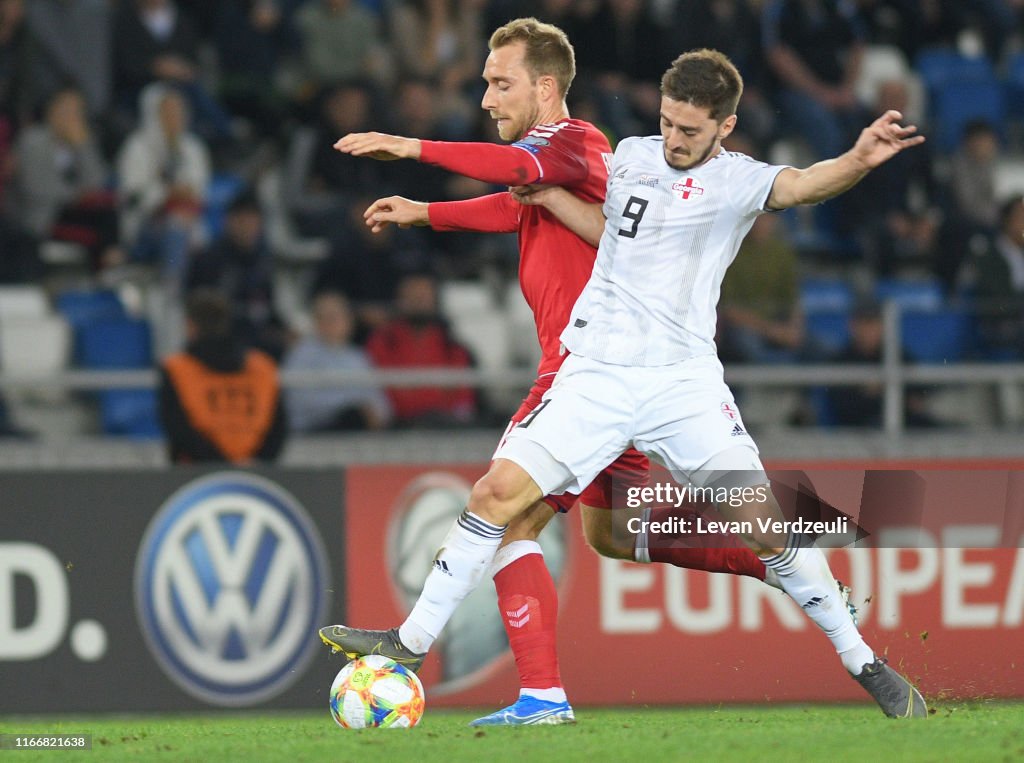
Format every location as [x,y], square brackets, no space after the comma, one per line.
[814,48]
[418,337]
[339,41]
[19,254]
[252,36]
[437,39]
[972,214]
[999,284]
[240,265]
[367,267]
[628,62]
[338,407]
[320,182]
[218,400]
[896,214]
[733,27]
[72,48]
[61,183]
[15,59]
[759,315]
[862,406]
[156,41]
[164,171]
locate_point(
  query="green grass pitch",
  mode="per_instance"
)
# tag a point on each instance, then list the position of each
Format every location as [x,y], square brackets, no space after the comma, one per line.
[983,731]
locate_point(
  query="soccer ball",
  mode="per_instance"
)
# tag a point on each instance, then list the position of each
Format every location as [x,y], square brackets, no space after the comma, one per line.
[375,691]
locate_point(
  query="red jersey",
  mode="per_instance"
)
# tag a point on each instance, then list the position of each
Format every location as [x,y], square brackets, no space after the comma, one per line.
[554,263]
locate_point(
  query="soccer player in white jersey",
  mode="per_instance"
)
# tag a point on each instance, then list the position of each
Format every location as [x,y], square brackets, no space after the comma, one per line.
[642,369]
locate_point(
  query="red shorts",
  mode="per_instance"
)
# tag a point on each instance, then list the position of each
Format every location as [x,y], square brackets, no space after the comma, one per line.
[608,490]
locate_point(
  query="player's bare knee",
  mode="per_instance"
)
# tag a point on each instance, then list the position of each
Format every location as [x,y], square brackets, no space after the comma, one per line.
[502,494]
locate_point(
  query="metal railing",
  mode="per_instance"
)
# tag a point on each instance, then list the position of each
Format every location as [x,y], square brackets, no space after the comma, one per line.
[893,374]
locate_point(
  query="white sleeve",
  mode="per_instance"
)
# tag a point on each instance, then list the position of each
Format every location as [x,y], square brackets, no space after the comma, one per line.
[750,184]
[617,160]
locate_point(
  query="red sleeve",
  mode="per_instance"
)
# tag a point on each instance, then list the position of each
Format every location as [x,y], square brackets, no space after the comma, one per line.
[554,162]
[496,213]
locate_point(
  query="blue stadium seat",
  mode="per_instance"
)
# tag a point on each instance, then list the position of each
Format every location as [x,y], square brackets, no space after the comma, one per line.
[115,343]
[130,412]
[958,103]
[221,191]
[122,344]
[830,329]
[910,295]
[80,307]
[825,294]
[937,67]
[937,336]
[1014,85]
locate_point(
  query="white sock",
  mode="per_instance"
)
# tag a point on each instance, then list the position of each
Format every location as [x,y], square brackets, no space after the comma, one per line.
[554,694]
[641,551]
[465,555]
[805,576]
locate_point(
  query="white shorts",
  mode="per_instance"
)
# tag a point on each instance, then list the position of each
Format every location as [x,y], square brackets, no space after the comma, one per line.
[681,415]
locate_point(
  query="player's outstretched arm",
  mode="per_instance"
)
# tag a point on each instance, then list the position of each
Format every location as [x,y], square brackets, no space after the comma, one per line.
[487,162]
[584,219]
[877,144]
[398,210]
[378,145]
[494,213]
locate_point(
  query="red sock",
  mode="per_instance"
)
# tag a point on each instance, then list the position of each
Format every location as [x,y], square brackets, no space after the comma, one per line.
[529,608]
[737,561]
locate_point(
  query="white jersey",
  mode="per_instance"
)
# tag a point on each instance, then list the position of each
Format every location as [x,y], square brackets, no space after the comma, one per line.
[670,235]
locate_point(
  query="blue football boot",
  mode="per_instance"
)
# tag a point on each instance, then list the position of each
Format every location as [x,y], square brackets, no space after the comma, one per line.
[529,711]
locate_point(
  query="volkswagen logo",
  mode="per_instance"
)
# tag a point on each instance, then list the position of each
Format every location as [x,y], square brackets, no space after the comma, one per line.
[230,586]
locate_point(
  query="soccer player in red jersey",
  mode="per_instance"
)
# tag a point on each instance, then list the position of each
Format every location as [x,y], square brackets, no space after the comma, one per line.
[528,73]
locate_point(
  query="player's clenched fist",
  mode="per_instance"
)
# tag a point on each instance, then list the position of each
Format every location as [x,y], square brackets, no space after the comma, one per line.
[398,210]
[378,145]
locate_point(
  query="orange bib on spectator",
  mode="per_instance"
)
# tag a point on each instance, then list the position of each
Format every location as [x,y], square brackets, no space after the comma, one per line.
[232,410]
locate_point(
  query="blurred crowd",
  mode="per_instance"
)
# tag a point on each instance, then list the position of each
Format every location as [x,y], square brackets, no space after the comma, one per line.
[192,140]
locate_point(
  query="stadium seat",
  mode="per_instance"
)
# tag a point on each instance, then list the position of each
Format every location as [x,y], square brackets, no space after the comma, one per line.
[23,302]
[122,344]
[936,336]
[81,307]
[830,329]
[130,412]
[1014,85]
[825,294]
[960,102]
[485,334]
[910,295]
[115,343]
[460,298]
[34,345]
[938,67]
[220,192]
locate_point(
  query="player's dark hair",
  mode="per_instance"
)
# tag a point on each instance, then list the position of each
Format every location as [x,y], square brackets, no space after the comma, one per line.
[548,50]
[705,78]
[209,310]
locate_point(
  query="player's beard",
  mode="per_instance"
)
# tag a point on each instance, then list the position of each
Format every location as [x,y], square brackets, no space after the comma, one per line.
[686,162]
[512,129]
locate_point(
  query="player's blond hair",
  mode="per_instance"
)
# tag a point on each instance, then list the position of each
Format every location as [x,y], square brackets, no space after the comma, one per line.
[548,50]
[705,78]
